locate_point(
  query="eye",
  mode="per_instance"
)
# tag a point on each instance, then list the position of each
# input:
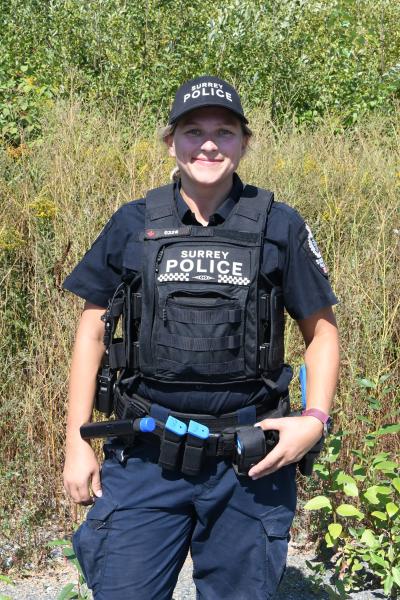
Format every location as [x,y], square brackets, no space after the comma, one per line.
[225,132]
[193,131]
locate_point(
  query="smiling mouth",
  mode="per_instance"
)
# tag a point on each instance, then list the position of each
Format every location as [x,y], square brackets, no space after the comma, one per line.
[207,161]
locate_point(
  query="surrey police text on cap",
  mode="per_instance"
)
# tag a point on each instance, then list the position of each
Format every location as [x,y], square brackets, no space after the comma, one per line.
[205,91]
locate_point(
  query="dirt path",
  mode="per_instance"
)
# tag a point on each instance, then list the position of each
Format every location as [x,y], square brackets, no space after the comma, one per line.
[295,585]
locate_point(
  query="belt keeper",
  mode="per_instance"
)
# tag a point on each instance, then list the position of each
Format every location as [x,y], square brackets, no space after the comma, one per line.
[171,444]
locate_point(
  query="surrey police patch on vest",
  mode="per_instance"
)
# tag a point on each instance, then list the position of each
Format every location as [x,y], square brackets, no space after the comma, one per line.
[212,264]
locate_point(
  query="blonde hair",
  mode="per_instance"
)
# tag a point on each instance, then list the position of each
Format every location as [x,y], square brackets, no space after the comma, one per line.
[168,130]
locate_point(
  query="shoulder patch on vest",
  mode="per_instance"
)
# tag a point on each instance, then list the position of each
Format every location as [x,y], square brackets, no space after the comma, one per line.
[313,252]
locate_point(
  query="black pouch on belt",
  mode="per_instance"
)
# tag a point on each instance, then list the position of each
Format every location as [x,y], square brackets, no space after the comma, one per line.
[252,444]
[194,448]
[172,444]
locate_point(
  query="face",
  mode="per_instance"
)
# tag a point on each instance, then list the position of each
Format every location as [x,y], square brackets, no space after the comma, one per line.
[207,145]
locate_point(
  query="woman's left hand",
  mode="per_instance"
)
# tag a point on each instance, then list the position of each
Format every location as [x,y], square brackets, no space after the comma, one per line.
[297,435]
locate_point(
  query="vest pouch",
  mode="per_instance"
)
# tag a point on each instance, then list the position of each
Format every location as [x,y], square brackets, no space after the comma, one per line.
[199,333]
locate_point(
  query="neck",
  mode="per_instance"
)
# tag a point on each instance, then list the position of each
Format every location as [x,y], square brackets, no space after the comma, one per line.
[203,201]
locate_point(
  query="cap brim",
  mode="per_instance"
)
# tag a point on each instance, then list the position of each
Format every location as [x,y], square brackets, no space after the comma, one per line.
[185,112]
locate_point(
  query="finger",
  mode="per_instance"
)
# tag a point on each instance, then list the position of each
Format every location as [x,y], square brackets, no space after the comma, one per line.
[268,424]
[273,469]
[96,484]
[267,463]
[80,494]
[84,496]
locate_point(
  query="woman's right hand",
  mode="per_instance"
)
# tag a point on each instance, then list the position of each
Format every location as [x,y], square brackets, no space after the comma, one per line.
[81,472]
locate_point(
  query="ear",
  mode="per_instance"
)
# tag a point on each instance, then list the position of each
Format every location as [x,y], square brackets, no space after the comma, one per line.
[169,141]
[245,142]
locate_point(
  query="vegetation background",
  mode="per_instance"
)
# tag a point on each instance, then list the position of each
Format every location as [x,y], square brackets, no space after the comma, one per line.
[82,87]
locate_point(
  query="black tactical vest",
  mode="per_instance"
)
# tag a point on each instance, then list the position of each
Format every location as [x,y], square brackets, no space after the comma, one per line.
[207,314]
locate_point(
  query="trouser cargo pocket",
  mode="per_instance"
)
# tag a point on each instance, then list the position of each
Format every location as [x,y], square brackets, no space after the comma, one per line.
[90,542]
[276,548]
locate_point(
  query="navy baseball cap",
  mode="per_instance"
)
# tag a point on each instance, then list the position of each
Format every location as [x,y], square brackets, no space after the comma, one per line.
[205,91]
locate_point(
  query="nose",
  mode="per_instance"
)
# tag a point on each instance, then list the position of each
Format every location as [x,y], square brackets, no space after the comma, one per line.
[209,145]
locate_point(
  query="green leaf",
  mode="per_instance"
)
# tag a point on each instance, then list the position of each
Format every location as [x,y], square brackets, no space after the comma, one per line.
[2,597]
[348,510]
[391,508]
[359,472]
[317,503]
[390,428]
[366,383]
[387,466]
[350,489]
[6,579]
[68,592]
[379,515]
[396,575]
[388,584]
[369,539]
[371,493]
[378,560]
[335,529]
[321,470]
[329,540]
[356,566]
[380,457]
[342,477]
[396,483]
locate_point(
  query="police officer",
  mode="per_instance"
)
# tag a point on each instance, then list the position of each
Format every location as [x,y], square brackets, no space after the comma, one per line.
[213,262]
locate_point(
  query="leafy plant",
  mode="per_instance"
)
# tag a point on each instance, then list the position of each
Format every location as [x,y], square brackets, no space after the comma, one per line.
[359,512]
[72,591]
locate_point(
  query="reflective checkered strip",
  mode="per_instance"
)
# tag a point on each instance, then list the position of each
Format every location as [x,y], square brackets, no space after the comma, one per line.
[233,279]
[173,277]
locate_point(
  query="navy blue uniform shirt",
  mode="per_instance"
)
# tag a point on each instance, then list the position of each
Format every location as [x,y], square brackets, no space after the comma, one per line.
[291,259]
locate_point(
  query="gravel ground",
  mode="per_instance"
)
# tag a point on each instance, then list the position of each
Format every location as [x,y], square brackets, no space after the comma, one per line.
[294,586]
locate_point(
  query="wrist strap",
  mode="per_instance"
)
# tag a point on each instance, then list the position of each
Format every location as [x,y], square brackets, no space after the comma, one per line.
[318,414]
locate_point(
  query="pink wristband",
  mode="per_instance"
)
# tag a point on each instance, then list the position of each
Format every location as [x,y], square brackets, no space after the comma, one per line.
[318,414]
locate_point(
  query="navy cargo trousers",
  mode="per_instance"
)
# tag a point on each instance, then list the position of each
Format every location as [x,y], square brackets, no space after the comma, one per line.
[137,535]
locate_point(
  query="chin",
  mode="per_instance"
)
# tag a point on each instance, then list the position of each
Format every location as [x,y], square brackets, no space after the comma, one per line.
[210,179]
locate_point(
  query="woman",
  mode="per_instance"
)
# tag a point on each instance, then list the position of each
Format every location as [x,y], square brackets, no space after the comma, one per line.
[212,262]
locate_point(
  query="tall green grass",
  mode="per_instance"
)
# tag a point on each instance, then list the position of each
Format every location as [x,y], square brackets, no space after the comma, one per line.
[56,194]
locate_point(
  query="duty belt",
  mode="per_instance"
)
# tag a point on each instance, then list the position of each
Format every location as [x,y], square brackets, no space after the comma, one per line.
[135,406]
[186,439]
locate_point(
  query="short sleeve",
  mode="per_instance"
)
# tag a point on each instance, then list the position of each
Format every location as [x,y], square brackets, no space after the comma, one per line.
[98,274]
[306,285]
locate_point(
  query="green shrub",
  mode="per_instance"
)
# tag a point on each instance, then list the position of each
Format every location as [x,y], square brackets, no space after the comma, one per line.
[359,511]
[301,59]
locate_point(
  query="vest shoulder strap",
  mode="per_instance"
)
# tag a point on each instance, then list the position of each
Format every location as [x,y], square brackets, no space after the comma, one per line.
[251,211]
[160,209]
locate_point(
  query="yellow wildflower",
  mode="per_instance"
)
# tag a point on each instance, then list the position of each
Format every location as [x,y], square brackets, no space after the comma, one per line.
[279,165]
[43,207]
[17,151]
[10,239]
[309,165]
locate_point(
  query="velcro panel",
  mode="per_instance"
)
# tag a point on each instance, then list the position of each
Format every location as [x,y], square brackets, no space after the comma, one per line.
[248,211]
[158,212]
